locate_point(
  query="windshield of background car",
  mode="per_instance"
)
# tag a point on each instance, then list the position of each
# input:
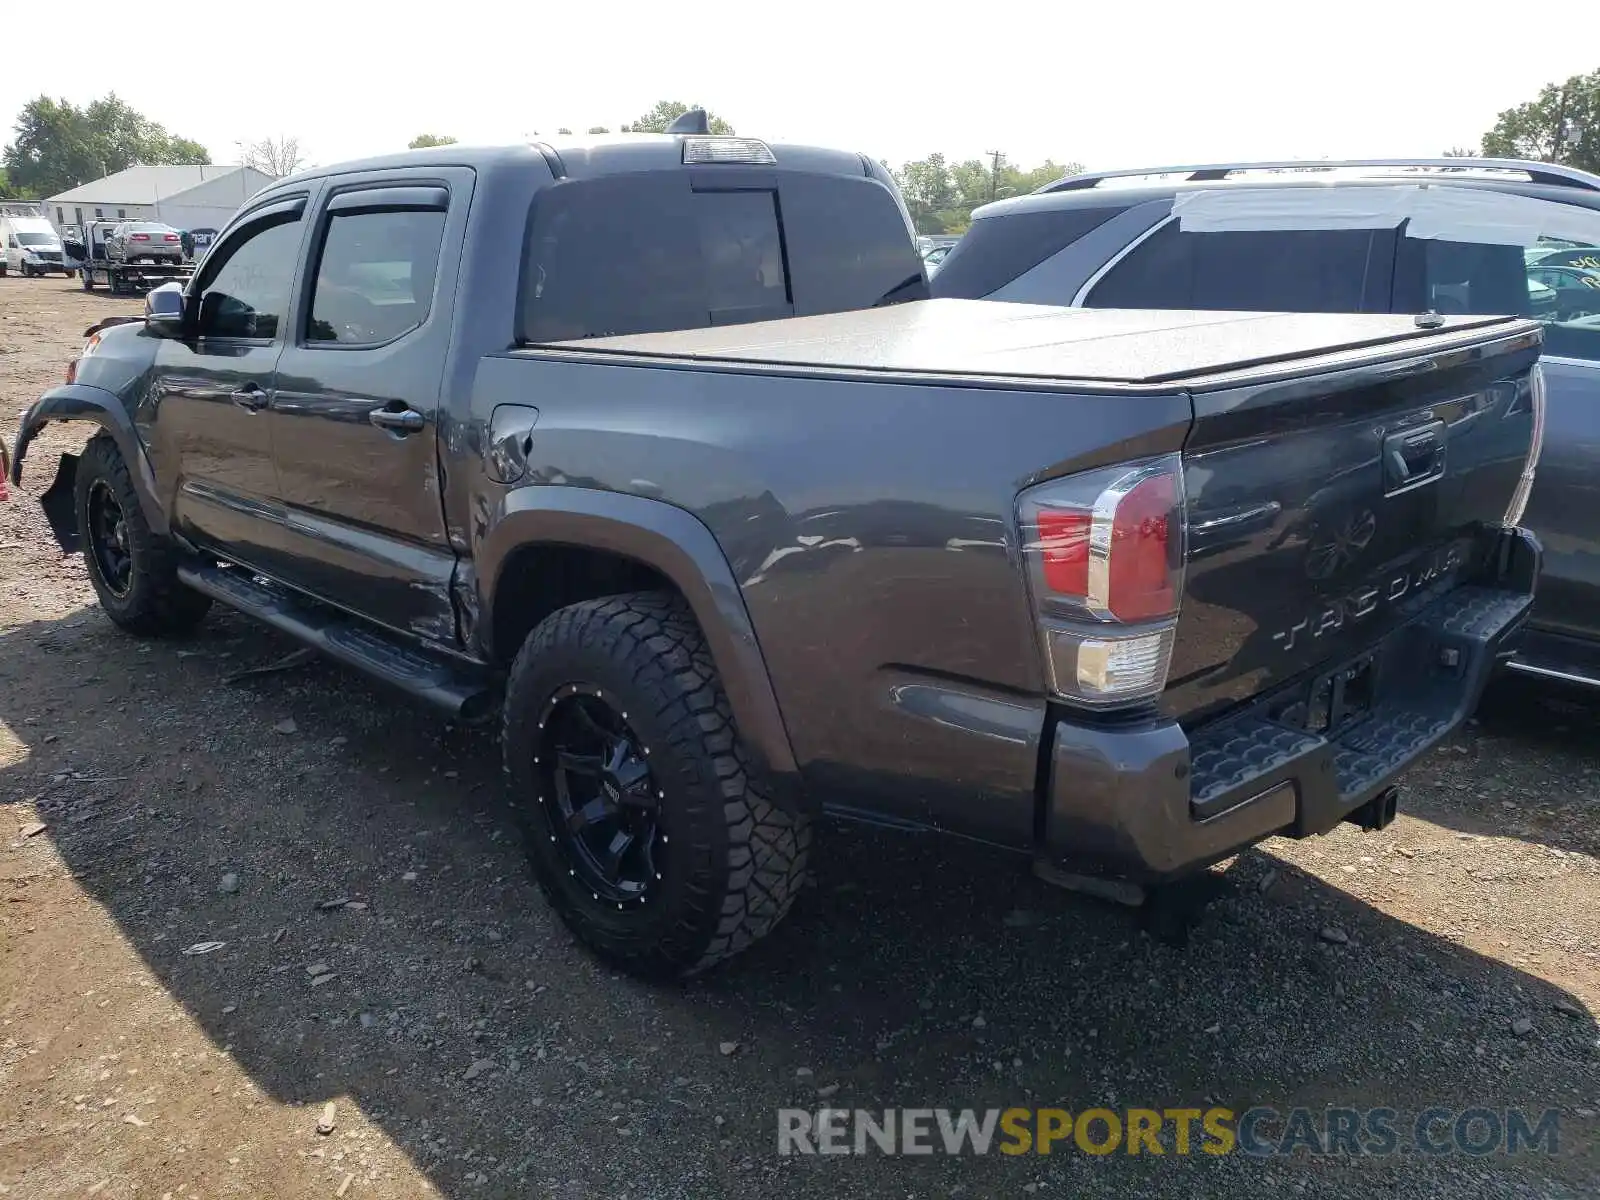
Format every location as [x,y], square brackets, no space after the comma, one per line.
[149,227]
[38,239]
[649,252]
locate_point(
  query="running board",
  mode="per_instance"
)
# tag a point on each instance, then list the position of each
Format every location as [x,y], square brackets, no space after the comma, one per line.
[452,686]
[1518,666]
[1556,658]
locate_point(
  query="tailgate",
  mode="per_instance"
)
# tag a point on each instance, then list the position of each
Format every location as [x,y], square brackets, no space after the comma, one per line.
[1326,507]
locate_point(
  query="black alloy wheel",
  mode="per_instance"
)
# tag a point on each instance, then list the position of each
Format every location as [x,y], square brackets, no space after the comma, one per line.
[601,801]
[108,539]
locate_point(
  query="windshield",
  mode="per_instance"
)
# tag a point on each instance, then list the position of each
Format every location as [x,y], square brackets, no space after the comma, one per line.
[149,227]
[37,239]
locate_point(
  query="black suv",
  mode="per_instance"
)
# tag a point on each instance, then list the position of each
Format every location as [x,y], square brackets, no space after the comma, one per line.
[1446,236]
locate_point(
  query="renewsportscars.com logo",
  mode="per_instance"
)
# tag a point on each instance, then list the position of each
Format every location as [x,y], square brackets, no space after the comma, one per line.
[1260,1132]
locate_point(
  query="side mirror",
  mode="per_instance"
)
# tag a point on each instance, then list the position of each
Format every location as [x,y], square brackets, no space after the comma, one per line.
[163,310]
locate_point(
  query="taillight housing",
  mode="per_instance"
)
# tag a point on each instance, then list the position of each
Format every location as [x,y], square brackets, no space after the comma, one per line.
[88,349]
[170,237]
[1105,552]
[138,237]
[1535,399]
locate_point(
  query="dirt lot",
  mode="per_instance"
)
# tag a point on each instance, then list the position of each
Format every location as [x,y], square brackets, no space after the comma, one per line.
[470,1049]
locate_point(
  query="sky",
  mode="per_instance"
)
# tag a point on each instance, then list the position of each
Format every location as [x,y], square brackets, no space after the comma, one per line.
[1107,85]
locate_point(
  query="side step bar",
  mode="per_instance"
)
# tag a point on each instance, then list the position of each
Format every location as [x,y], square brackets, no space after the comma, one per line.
[1518,666]
[1556,658]
[455,687]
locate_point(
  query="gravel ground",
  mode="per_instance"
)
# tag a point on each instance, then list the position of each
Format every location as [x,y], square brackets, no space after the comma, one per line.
[383,951]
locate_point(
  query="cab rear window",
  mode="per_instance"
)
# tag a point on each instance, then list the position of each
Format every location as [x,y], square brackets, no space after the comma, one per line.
[651,252]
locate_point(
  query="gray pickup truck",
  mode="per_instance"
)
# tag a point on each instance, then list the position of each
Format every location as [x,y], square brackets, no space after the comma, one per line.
[651,448]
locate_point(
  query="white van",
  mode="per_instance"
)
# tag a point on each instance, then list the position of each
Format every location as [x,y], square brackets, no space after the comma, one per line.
[30,246]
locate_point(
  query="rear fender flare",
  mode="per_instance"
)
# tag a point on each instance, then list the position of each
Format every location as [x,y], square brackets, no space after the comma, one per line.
[675,543]
[80,402]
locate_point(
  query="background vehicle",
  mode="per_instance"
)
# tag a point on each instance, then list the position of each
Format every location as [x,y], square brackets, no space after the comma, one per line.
[99,269]
[1265,237]
[721,529]
[1577,290]
[143,241]
[29,246]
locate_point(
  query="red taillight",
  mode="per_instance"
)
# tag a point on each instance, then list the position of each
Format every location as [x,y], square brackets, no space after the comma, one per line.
[1141,578]
[169,237]
[1064,550]
[138,237]
[1105,556]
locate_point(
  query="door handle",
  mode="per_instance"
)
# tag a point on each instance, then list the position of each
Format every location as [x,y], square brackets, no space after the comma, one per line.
[252,398]
[405,420]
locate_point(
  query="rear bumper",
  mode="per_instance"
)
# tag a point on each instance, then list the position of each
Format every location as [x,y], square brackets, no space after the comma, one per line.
[1153,803]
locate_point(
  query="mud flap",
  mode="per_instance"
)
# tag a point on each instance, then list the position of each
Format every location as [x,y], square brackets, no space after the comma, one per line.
[60,504]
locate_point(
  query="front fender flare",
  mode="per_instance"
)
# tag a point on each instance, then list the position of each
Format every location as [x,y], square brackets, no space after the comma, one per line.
[80,402]
[675,543]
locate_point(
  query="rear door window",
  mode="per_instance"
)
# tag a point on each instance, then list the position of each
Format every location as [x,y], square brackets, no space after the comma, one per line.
[375,276]
[1279,270]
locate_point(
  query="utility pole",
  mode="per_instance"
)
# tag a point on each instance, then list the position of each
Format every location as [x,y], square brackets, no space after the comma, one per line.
[994,172]
[1561,128]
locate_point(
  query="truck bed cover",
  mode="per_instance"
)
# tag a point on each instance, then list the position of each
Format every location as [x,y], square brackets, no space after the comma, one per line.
[990,339]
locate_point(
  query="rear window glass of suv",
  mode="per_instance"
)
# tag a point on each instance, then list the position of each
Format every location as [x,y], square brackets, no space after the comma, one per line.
[1280,270]
[1554,279]
[997,250]
[646,253]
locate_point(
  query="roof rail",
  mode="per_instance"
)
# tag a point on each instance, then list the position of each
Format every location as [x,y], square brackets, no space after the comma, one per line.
[1537,172]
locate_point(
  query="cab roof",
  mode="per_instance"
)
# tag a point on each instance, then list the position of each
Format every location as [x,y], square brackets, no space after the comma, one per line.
[588,156]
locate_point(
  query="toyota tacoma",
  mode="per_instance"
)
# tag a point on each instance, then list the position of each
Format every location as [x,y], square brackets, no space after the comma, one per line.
[651,449]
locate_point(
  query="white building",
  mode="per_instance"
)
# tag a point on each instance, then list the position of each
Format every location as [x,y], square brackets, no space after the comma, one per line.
[185,197]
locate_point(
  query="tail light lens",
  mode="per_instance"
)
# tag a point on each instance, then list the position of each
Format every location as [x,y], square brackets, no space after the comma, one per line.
[138,237]
[1536,400]
[88,349]
[169,237]
[1105,554]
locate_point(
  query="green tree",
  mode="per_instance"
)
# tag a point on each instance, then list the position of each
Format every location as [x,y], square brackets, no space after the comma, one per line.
[424,140]
[929,192]
[56,145]
[941,196]
[1461,152]
[1561,126]
[666,112]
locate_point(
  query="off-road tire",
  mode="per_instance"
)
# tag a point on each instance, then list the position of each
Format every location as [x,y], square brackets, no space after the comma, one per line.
[156,604]
[736,861]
